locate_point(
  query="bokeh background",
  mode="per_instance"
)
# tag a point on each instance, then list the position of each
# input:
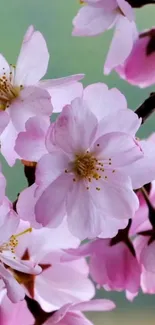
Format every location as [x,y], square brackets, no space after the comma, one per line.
[71,55]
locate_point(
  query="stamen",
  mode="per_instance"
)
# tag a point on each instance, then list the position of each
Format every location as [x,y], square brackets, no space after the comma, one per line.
[23,232]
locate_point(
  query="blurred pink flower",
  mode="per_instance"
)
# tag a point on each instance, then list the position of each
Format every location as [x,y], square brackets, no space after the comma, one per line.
[138,68]
[96,16]
[112,266]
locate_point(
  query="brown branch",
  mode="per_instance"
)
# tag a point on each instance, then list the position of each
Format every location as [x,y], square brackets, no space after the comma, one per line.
[147,108]
[40,315]
[140,3]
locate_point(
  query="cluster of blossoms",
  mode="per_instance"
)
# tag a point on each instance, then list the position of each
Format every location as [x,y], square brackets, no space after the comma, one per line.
[89,178]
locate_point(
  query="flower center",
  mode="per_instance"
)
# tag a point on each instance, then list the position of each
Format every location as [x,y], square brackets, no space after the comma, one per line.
[84,166]
[8,92]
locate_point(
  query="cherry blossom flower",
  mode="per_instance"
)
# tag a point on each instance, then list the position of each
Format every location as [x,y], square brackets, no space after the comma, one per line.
[23,95]
[138,68]
[99,15]
[58,283]
[8,259]
[106,105]
[72,313]
[83,173]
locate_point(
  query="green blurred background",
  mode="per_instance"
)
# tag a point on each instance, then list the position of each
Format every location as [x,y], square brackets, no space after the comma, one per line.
[71,55]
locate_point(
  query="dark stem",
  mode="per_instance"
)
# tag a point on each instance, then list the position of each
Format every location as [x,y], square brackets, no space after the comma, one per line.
[147,108]
[123,236]
[140,3]
[40,315]
[30,174]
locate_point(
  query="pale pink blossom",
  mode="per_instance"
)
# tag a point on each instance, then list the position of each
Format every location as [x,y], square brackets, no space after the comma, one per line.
[106,104]
[58,283]
[112,266]
[23,95]
[138,68]
[14,314]
[86,171]
[9,222]
[95,17]
[72,313]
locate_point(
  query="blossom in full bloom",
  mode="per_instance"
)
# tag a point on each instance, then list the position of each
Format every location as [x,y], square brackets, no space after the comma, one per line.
[106,105]
[97,16]
[138,68]
[85,175]
[23,95]
[58,283]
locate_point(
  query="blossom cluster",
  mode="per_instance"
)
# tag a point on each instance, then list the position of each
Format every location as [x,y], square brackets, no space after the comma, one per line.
[89,178]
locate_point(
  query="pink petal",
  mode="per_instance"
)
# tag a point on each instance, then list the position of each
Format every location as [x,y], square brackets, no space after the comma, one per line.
[94,305]
[123,39]
[50,208]
[137,69]
[112,226]
[75,318]
[126,9]
[32,101]
[49,167]
[4,120]
[63,90]
[120,147]
[116,198]
[103,101]
[63,283]
[25,205]
[85,220]
[4,67]
[30,145]
[70,123]
[147,257]
[148,282]
[12,312]
[9,226]
[27,267]
[15,291]
[142,171]
[2,187]
[33,59]
[7,147]
[92,21]
[111,123]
